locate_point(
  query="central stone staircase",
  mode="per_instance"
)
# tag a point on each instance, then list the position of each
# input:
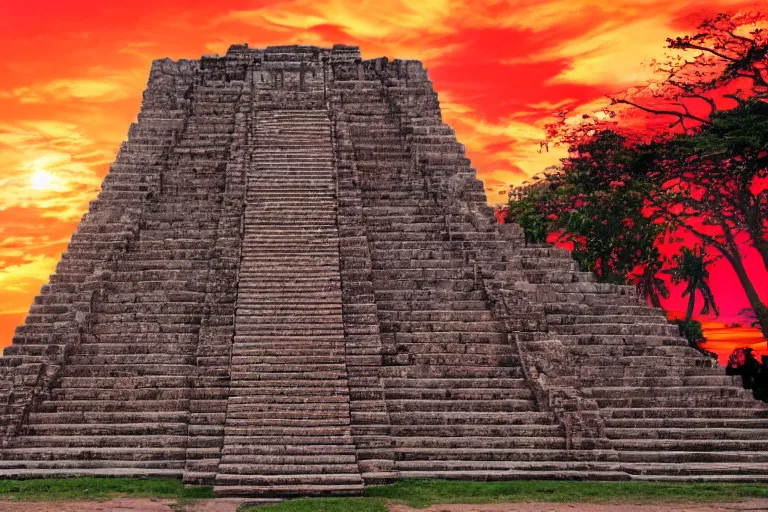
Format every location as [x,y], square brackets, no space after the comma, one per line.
[288,421]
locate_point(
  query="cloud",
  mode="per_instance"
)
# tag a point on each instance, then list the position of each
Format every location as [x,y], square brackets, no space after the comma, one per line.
[51,147]
[101,87]
[145,50]
[361,20]
[26,277]
[552,106]
[615,53]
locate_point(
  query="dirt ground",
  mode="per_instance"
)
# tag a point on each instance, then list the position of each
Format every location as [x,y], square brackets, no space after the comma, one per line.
[225,505]
[745,506]
[123,505]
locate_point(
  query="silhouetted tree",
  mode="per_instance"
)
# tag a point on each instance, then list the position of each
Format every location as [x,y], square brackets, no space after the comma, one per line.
[691,268]
[649,285]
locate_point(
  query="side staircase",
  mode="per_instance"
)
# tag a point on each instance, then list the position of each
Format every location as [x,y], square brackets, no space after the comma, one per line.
[668,413]
[457,399]
[120,406]
[664,412]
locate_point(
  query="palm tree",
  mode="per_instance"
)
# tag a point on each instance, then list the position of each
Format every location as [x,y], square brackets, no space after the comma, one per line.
[650,285]
[691,268]
[751,317]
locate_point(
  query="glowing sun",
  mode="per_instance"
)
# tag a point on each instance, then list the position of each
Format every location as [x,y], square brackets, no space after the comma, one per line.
[41,180]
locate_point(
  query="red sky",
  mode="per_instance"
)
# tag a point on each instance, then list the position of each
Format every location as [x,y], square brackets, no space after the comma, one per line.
[73,72]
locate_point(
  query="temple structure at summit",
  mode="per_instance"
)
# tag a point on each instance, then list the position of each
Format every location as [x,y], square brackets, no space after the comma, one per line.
[290,284]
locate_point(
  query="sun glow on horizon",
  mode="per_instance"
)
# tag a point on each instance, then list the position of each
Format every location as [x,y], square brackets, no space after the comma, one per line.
[42,180]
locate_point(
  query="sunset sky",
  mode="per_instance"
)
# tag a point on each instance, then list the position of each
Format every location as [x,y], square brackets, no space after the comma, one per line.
[73,72]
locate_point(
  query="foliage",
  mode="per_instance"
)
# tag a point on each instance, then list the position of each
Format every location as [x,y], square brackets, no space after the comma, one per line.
[727,58]
[714,185]
[713,182]
[709,171]
[595,202]
[95,488]
[690,330]
[691,268]
[650,285]
[754,374]
[528,215]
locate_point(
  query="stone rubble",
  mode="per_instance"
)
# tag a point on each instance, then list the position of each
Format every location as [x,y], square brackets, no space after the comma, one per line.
[291,284]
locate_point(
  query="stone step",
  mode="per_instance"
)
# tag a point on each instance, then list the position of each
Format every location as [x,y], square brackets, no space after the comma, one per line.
[517,442]
[289,460]
[600,329]
[693,401]
[688,433]
[102,429]
[101,441]
[66,465]
[142,453]
[282,490]
[288,469]
[692,445]
[564,309]
[445,385]
[457,394]
[656,412]
[109,471]
[114,405]
[514,467]
[449,372]
[621,339]
[243,434]
[478,431]
[686,423]
[487,475]
[498,405]
[682,458]
[292,419]
[108,417]
[582,321]
[629,392]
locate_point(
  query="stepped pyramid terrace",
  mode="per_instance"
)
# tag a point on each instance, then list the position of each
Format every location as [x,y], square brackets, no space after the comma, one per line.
[291,284]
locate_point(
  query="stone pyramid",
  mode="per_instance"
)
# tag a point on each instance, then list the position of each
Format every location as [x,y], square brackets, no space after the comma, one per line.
[290,284]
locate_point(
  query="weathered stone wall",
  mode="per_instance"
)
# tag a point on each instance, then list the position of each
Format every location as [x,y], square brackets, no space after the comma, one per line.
[62,315]
[291,284]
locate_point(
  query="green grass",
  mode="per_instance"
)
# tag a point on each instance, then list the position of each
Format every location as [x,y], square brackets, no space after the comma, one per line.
[415,493]
[94,488]
[422,493]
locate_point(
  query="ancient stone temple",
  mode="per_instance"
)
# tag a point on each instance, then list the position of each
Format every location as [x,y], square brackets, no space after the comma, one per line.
[290,283]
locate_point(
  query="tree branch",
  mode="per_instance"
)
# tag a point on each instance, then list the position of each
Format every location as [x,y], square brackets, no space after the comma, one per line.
[674,113]
[686,45]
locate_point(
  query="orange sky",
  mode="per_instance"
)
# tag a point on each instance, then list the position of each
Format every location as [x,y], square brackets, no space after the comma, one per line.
[73,72]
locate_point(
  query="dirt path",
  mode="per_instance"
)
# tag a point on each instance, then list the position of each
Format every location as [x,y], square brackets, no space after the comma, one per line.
[745,506]
[123,505]
[224,505]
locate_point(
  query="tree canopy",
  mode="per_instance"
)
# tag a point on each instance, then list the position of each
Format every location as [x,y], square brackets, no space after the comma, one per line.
[618,195]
